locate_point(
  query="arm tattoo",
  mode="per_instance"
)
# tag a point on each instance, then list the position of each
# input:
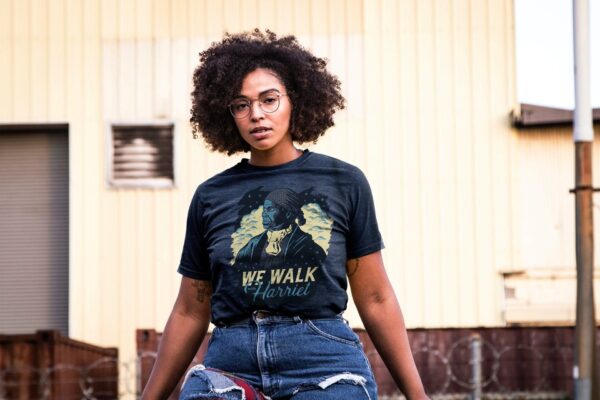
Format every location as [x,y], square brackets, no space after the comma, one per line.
[203,290]
[353,266]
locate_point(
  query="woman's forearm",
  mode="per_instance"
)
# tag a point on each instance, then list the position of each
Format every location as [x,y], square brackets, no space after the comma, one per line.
[180,342]
[182,336]
[385,324]
[380,312]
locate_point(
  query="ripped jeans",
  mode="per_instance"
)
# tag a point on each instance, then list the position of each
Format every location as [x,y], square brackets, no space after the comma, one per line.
[284,358]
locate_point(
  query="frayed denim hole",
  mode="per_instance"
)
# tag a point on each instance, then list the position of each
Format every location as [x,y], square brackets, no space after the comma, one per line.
[217,386]
[212,396]
[192,372]
[325,383]
[195,379]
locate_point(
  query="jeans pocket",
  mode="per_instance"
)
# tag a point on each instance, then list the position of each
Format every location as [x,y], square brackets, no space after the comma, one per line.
[336,330]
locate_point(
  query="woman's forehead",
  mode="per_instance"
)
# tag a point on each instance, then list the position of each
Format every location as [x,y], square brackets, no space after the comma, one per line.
[259,81]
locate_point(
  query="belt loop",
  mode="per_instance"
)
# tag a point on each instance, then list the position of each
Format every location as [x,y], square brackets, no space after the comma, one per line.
[298,319]
[341,316]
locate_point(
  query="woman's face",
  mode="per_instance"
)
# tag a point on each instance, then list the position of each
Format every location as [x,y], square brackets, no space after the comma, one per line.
[263,131]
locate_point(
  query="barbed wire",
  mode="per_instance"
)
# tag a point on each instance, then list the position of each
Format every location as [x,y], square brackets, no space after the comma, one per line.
[90,382]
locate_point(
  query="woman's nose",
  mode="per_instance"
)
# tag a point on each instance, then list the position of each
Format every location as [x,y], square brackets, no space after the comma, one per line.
[255,111]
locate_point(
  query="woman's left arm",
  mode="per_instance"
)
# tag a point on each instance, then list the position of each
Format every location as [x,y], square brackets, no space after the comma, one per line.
[380,312]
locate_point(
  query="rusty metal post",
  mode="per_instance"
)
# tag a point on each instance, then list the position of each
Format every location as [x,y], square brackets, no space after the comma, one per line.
[585,329]
[475,361]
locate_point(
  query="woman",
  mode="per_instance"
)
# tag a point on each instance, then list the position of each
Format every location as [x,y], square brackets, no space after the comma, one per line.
[272,242]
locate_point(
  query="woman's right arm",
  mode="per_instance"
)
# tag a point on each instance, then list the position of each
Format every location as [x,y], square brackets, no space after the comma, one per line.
[183,334]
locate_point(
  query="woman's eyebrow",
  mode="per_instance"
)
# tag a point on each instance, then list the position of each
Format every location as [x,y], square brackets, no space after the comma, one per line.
[260,94]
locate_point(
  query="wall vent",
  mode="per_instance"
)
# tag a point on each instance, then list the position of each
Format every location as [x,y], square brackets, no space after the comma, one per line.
[141,155]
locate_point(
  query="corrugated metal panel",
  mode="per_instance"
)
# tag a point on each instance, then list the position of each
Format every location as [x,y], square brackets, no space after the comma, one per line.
[531,296]
[34,215]
[437,149]
[6,53]
[546,159]
[429,87]
[540,283]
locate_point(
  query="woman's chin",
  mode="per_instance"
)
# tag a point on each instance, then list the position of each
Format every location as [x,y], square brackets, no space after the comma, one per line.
[261,146]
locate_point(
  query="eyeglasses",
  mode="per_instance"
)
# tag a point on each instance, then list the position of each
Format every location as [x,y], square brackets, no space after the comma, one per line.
[268,102]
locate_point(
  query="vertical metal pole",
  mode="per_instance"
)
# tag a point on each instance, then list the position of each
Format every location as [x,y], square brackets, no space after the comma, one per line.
[583,135]
[476,360]
[585,326]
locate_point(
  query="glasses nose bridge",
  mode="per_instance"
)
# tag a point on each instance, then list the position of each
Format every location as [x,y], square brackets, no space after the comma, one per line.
[253,108]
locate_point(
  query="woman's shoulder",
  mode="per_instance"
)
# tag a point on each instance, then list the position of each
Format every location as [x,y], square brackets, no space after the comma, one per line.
[344,173]
[216,182]
[225,175]
[326,161]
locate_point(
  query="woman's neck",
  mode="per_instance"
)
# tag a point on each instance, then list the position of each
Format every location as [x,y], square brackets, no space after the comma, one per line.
[273,157]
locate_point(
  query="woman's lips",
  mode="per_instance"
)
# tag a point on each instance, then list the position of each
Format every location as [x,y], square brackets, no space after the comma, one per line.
[260,133]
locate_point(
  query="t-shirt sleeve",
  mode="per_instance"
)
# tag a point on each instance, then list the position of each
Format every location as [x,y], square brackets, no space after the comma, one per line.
[364,236]
[194,257]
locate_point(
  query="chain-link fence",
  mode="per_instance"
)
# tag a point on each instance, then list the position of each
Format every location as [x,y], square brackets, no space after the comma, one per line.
[47,365]
[78,383]
[63,381]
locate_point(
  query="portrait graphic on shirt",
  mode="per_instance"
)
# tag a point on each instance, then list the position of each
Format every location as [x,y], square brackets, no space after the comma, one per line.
[281,243]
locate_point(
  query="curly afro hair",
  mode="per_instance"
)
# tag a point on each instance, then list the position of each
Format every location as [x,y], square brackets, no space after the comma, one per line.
[313,91]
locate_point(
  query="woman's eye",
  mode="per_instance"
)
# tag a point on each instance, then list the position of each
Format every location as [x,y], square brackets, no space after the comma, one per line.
[240,106]
[269,100]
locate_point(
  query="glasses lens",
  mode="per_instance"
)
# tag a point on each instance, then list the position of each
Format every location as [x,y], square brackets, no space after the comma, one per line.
[240,108]
[269,102]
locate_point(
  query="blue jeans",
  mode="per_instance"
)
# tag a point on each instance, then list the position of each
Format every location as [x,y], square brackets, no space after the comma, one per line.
[285,358]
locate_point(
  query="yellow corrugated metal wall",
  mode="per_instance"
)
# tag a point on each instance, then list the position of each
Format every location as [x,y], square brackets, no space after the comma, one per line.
[541,284]
[546,208]
[439,157]
[429,86]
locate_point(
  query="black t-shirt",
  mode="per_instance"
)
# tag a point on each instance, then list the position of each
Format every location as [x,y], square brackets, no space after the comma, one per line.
[277,238]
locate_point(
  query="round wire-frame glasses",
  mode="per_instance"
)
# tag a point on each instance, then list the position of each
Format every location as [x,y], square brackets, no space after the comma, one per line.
[268,102]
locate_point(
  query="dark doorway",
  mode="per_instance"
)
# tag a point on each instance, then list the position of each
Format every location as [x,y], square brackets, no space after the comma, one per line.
[34,228]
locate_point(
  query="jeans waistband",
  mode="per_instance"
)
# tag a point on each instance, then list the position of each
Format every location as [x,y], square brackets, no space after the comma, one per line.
[262,316]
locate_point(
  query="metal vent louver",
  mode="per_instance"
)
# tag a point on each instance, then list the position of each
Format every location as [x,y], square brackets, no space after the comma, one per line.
[142,155]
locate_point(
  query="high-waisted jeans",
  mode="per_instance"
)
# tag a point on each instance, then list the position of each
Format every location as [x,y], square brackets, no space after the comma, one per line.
[285,358]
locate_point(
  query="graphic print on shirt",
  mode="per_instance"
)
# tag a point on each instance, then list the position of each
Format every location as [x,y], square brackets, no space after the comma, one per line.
[280,245]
